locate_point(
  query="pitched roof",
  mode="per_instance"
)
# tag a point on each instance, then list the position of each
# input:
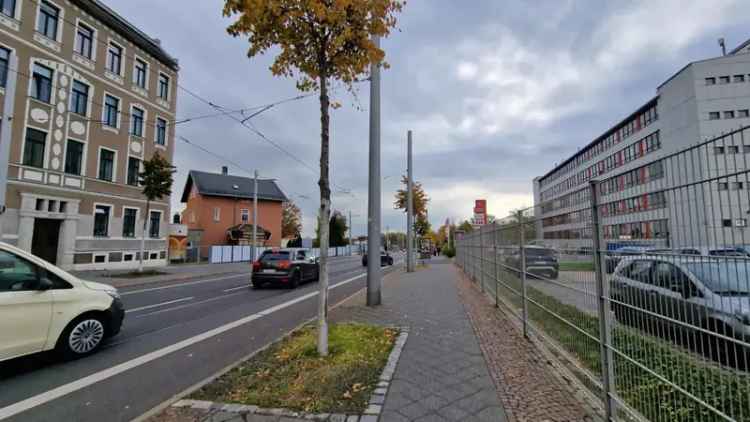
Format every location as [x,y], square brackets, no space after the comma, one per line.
[213,184]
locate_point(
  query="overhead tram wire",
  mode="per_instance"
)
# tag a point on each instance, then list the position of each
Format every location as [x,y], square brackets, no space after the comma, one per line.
[260,134]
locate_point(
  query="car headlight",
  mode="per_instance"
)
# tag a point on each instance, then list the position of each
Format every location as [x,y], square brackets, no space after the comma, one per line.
[114,293]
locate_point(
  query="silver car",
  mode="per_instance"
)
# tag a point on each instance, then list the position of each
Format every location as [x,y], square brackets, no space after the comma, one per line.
[694,294]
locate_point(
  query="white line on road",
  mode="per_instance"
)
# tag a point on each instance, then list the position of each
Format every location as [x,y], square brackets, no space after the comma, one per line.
[244,286]
[156,305]
[57,392]
[161,311]
[190,283]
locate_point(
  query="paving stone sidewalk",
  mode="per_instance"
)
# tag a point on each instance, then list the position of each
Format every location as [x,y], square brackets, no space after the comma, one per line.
[442,374]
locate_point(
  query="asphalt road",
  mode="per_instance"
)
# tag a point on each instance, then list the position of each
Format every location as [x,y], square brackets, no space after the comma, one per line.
[174,336]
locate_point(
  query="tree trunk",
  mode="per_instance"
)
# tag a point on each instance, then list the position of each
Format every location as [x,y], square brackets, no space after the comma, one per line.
[324,217]
[143,237]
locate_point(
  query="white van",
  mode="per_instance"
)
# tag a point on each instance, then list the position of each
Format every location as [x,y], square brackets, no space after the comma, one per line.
[43,308]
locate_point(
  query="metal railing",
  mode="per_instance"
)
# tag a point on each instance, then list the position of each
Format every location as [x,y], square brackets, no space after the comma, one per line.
[642,288]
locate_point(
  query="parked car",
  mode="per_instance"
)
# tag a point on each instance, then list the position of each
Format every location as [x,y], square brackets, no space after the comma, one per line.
[711,294]
[540,261]
[385,259]
[735,251]
[614,257]
[44,308]
[287,267]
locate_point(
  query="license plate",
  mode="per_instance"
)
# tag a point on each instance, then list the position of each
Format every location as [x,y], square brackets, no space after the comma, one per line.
[269,270]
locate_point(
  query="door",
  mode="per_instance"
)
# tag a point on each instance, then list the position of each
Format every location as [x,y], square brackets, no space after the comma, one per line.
[635,289]
[45,239]
[25,312]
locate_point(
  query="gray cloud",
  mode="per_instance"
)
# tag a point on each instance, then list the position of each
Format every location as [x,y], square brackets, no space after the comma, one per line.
[496,92]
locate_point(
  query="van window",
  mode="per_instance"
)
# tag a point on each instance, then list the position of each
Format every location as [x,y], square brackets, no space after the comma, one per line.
[16,273]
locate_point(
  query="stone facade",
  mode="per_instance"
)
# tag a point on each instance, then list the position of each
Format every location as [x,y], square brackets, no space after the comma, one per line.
[71,195]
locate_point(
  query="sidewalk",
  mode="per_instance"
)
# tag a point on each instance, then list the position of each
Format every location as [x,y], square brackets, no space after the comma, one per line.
[442,374]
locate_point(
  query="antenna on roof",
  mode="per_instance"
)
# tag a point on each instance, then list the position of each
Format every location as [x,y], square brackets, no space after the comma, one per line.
[723,46]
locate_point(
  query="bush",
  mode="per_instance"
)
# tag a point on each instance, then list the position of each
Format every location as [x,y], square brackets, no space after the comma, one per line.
[448,251]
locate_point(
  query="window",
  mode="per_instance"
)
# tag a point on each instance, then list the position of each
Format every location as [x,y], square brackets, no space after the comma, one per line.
[718,150]
[73,157]
[136,128]
[742,114]
[736,185]
[106,165]
[8,7]
[134,168]
[245,215]
[4,61]
[710,81]
[726,222]
[164,87]
[47,22]
[161,131]
[114,58]
[41,85]
[153,230]
[714,115]
[723,79]
[111,109]
[84,41]
[739,78]
[33,150]
[128,222]
[79,98]
[729,114]
[217,214]
[733,149]
[723,186]
[139,73]
[101,220]
[16,274]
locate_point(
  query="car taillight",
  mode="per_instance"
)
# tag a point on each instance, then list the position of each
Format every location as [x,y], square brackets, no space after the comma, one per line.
[256,265]
[284,265]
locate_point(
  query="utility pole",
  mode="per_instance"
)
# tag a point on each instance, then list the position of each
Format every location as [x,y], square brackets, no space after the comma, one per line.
[255,214]
[373,218]
[409,208]
[6,135]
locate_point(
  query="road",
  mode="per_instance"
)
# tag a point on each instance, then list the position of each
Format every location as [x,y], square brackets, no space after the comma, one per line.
[174,336]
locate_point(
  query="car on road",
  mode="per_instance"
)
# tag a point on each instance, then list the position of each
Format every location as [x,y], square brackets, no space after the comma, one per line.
[44,308]
[287,267]
[385,259]
[698,294]
[540,261]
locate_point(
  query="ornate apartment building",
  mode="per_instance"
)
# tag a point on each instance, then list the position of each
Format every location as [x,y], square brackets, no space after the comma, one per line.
[94,97]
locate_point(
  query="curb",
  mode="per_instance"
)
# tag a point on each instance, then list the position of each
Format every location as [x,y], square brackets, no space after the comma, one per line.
[371,414]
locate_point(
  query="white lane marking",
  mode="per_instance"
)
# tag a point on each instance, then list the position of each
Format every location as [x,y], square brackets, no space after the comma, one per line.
[156,305]
[57,392]
[161,311]
[244,286]
[190,283]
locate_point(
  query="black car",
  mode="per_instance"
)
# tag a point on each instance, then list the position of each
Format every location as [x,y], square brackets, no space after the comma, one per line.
[385,259]
[285,267]
[540,261]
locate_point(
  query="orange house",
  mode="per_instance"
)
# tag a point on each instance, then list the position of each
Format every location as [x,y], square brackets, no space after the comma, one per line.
[217,202]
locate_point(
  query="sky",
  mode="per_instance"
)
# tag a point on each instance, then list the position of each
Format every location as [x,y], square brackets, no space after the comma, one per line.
[495,92]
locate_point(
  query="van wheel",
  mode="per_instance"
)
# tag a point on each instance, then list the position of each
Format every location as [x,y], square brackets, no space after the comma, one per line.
[81,337]
[295,281]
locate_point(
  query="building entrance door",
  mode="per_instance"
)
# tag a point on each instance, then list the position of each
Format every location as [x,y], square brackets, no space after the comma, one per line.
[46,238]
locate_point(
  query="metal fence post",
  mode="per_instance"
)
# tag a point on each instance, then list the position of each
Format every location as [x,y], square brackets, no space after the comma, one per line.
[495,280]
[603,305]
[522,242]
[481,259]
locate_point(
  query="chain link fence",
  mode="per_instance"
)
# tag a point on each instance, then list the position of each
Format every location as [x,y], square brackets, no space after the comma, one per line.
[639,280]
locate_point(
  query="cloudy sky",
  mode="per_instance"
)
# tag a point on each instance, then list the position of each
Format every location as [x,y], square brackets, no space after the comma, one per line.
[496,93]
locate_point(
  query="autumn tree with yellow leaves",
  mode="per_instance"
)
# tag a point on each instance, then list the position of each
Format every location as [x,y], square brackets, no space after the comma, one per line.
[318,42]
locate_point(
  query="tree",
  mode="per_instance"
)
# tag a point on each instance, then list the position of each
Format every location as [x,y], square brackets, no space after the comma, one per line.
[422,226]
[466,227]
[318,41]
[291,220]
[337,232]
[419,197]
[156,180]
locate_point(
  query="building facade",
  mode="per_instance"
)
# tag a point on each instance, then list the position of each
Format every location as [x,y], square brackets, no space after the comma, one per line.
[637,168]
[218,203]
[94,97]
